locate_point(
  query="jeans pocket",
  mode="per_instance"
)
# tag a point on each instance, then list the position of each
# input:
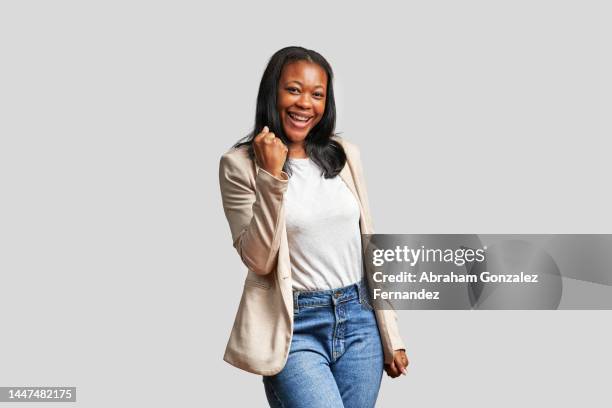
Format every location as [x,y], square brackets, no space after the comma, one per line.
[364,298]
[367,305]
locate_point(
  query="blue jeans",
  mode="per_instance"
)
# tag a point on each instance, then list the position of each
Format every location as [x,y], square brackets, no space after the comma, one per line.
[336,356]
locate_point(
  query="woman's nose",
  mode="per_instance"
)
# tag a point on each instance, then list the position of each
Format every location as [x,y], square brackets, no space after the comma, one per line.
[304,101]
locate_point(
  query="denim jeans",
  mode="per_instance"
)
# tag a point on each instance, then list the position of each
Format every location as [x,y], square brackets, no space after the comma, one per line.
[336,356]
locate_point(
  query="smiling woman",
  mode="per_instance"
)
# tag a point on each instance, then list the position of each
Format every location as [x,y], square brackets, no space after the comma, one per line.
[301,102]
[295,199]
[299,82]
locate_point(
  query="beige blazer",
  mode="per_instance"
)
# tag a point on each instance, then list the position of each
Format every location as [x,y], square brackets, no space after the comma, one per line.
[253,202]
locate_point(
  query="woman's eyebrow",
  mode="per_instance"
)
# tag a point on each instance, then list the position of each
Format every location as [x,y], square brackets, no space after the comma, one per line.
[300,84]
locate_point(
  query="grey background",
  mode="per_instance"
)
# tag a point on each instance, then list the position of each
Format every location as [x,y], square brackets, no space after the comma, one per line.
[117,273]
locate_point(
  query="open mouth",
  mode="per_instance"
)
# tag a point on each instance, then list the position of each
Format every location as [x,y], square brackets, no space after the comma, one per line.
[298,120]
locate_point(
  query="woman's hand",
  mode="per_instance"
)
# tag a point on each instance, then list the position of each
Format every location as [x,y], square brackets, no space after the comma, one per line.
[270,152]
[398,365]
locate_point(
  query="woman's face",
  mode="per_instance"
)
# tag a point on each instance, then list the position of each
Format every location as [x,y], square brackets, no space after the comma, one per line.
[302,91]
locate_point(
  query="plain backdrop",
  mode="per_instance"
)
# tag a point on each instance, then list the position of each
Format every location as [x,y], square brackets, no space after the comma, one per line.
[117,271]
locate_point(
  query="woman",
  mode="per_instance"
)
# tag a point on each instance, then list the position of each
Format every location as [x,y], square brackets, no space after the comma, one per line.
[295,199]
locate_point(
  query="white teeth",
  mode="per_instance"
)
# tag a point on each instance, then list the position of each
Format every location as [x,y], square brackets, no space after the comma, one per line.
[298,117]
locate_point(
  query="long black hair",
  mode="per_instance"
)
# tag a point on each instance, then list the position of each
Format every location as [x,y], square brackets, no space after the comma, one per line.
[327,153]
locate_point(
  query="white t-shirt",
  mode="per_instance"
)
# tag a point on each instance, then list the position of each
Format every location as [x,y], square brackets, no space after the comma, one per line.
[322,220]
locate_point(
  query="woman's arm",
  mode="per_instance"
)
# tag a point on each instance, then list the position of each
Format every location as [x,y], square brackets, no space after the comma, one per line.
[399,360]
[254,212]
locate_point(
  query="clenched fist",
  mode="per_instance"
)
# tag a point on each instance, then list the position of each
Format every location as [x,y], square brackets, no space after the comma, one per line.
[398,365]
[270,152]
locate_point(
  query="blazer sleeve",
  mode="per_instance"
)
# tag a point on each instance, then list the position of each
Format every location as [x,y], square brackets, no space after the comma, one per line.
[392,335]
[254,212]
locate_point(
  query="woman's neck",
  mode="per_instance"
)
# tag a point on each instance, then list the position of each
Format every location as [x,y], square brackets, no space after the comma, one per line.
[297,151]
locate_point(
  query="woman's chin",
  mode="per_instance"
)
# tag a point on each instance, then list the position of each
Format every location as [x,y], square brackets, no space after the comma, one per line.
[296,137]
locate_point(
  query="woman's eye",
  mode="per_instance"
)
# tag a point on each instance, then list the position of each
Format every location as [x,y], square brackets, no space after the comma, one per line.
[293,90]
[319,95]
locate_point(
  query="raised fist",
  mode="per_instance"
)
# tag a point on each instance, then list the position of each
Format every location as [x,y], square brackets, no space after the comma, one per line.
[270,152]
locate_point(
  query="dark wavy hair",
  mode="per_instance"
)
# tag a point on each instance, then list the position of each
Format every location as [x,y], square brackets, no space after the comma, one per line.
[327,153]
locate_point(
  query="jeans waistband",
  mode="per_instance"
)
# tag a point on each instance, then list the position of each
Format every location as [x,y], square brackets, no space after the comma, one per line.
[329,297]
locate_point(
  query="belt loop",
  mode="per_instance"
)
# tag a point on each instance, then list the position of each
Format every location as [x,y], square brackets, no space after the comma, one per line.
[359,289]
[296,306]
